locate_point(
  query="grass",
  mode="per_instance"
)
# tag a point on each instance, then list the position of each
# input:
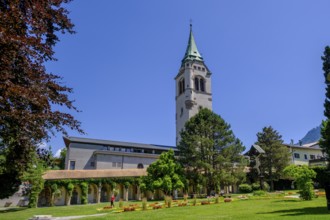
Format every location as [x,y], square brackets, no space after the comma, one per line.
[266,207]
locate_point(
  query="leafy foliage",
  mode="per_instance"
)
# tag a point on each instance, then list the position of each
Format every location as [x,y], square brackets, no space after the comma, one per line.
[34,183]
[27,91]
[210,152]
[165,174]
[62,159]
[303,176]
[276,156]
[245,188]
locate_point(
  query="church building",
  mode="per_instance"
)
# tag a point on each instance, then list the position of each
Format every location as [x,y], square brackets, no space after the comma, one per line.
[93,159]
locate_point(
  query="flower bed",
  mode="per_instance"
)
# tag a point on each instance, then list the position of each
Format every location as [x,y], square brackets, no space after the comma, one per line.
[129,208]
[107,207]
[205,202]
[227,200]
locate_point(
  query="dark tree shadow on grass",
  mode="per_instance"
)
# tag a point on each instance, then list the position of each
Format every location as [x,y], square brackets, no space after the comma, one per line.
[12,210]
[303,211]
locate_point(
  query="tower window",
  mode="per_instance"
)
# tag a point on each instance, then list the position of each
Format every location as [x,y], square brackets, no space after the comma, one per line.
[196,84]
[195,67]
[187,64]
[199,68]
[181,86]
[199,84]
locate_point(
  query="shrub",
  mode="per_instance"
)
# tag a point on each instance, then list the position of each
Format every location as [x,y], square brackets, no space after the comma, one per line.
[266,186]
[121,203]
[168,201]
[217,199]
[144,204]
[255,186]
[194,200]
[185,197]
[259,193]
[245,188]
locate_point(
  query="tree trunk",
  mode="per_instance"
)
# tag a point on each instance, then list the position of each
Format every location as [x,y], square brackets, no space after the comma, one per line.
[271,185]
[327,193]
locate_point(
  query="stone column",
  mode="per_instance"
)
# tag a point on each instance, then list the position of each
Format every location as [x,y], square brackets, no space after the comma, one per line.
[175,194]
[125,194]
[138,193]
[99,189]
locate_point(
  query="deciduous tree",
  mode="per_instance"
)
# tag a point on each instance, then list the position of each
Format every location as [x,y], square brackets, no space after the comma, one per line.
[276,157]
[210,152]
[165,174]
[303,176]
[28,93]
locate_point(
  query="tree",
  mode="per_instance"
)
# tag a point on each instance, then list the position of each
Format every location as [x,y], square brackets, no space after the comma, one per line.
[165,174]
[325,129]
[276,156]
[28,93]
[303,176]
[62,159]
[210,153]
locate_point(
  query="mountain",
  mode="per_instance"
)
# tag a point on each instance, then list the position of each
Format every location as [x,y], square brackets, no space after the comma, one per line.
[312,136]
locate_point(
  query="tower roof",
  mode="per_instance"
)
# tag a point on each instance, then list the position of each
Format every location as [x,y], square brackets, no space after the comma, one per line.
[192,51]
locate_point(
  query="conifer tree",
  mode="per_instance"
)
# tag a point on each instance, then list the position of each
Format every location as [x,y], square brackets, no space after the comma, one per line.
[210,152]
[276,156]
[325,129]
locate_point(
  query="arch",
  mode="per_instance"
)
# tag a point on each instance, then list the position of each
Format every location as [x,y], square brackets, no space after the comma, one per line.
[76,196]
[44,197]
[61,199]
[140,166]
[92,193]
[105,193]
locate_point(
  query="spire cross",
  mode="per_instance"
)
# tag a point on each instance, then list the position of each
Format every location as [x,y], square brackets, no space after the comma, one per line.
[190,22]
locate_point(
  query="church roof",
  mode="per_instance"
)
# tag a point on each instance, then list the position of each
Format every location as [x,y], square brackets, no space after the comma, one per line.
[192,51]
[69,140]
[84,174]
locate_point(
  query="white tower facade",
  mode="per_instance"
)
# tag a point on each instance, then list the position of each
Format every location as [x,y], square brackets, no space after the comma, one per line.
[193,86]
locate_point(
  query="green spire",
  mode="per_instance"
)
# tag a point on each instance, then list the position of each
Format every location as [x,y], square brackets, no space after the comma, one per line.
[192,51]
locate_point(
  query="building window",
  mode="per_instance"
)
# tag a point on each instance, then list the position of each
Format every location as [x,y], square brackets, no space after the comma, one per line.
[113,164]
[72,165]
[196,84]
[312,157]
[181,113]
[296,155]
[140,166]
[202,85]
[181,86]
[199,84]
[119,164]
[92,164]
[305,156]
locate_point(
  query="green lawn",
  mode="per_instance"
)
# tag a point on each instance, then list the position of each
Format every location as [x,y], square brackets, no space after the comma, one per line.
[254,208]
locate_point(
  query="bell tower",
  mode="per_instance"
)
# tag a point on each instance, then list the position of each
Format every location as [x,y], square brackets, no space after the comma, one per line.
[193,86]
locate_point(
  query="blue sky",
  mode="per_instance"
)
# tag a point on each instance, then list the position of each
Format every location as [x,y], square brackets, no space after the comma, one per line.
[264,56]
